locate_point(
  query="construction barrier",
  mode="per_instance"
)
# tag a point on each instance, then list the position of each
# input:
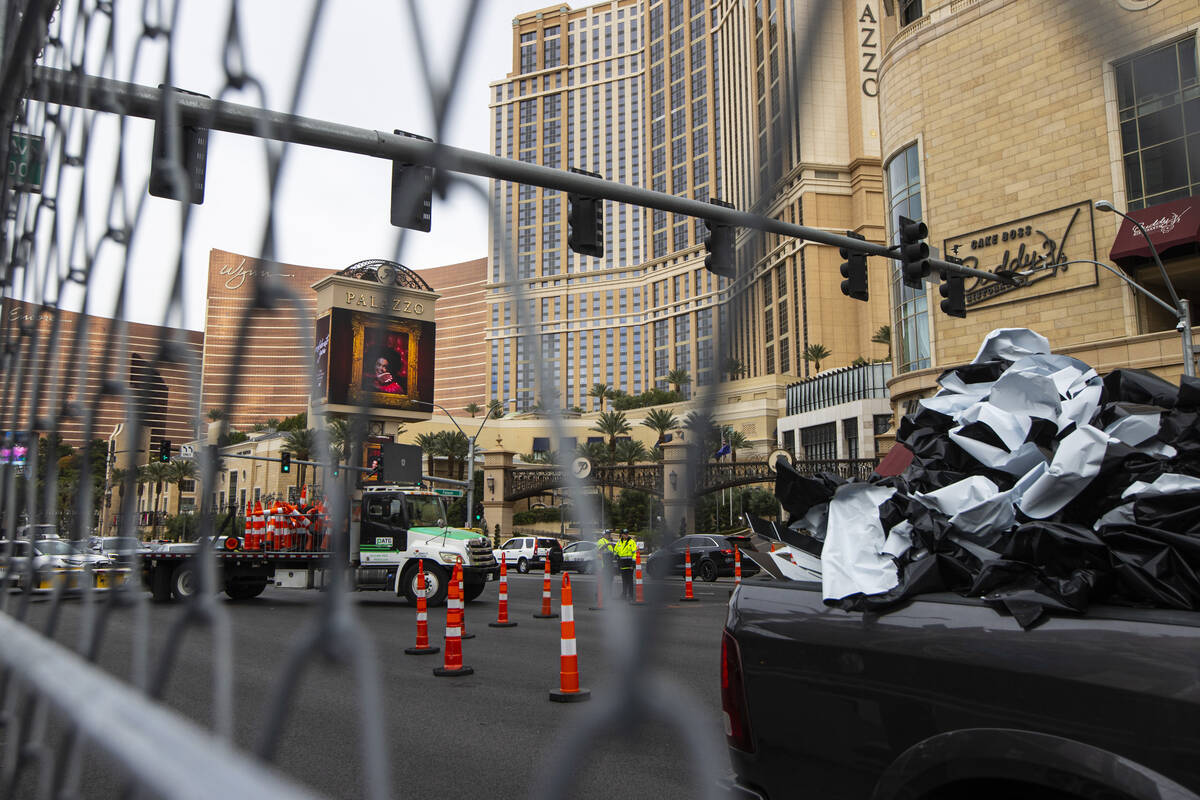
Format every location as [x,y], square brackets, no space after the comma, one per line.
[502,620]
[547,612]
[568,661]
[688,594]
[452,666]
[422,647]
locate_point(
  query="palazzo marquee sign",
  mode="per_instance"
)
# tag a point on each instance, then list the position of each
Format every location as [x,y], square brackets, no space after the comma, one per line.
[1039,247]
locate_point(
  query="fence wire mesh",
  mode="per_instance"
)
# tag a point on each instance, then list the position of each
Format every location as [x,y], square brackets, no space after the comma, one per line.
[55,703]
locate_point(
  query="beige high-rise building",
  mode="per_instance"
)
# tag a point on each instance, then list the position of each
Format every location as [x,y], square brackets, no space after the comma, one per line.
[1003,122]
[686,97]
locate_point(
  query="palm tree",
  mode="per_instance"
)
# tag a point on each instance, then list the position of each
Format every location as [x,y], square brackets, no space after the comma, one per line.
[301,443]
[630,451]
[679,377]
[156,473]
[431,446]
[455,447]
[496,409]
[612,424]
[816,353]
[734,367]
[600,392]
[339,435]
[595,452]
[884,336]
[735,439]
[216,414]
[661,420]
[178,471]
[472,409]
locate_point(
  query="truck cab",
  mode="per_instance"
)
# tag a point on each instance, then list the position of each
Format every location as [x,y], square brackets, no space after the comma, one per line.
[398,528]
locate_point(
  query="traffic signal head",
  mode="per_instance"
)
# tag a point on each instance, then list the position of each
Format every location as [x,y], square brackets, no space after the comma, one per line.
[953,290]
[187,159]
[854,270]
[412,192]
[585,225]
[718,244]
[336,469]
[914,253]
[164,450]
[285,461]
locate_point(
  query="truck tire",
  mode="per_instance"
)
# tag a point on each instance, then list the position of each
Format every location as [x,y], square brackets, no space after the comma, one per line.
[160,584]
[707,571]
[436,584]
[184,581]
[244,590]
[523,566]
[472,590]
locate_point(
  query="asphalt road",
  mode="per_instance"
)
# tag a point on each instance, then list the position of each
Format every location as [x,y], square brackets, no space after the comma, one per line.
[488,735]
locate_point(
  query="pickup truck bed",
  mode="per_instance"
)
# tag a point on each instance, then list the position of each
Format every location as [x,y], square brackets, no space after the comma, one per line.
[946,698]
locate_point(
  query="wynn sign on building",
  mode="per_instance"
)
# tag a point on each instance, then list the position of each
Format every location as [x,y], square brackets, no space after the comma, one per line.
[270,377]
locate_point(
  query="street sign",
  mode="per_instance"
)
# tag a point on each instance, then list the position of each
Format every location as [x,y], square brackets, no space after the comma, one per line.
[25,162]
[449,492]
[187,451]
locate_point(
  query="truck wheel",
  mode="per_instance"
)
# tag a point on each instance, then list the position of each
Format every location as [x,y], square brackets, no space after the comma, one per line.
[184,582]
[436,583]
[522,566]
[243,590]
[472,590]
[708,571]
[160,585]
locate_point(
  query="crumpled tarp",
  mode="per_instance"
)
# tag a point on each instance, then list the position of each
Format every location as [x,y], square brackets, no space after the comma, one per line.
[1034,484]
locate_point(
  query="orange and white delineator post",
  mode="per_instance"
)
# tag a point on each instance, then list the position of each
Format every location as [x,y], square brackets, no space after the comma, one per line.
[547,612]
[568,661]
[260,527]
[452,666]
[502,620]
[304,495]
[688,595]
[421,648]
[639,592]
[248,542]
[737,565]
[463,595]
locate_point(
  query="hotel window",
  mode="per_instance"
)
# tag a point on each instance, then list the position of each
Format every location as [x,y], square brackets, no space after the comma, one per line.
[819,442]
[910,12]
[528,52]
[1158,99]
[910,306]
[551,46]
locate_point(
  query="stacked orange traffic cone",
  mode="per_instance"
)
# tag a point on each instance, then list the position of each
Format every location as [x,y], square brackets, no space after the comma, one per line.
[502,605]
[737,566]
[260,526]
[463,595]
[422,647]
[639,592]
[452,666]
[248,537]
[568,662]
[687,577]
[547,613]
[304,495]
[270,527]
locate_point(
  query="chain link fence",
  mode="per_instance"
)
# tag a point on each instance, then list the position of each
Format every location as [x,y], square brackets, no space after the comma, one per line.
[75,80]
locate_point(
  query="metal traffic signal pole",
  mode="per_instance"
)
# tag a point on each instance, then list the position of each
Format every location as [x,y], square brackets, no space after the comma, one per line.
[104,94]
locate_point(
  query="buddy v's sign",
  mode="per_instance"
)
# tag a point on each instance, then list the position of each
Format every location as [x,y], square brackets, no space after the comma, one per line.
[1038,246]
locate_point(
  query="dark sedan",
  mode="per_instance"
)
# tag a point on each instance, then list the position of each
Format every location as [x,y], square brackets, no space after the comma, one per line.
[712,557]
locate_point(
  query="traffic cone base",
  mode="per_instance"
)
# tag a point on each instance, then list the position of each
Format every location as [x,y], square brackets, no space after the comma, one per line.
[551,615]
[578,696]
[442,672]
[502,624]
[692,599]
[422,651]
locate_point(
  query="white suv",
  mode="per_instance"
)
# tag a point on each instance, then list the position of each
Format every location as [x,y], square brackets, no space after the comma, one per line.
[526,552]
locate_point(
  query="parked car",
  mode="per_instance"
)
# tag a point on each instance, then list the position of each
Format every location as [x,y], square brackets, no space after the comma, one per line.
[117,548]
[581,556]
[712,557]
[47,554]
[528,552]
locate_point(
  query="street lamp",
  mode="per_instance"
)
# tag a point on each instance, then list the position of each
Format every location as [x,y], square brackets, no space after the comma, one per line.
[1182,307]
[470,451]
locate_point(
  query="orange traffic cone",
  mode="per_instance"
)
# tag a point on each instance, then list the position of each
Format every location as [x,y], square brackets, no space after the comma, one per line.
[502,605]
[737,566]
[547,613]
[568,682]
[260,526]
[463,595]
[639,592]
[248,537]
[687,577]
[421,648]
[452,666]
[304,495]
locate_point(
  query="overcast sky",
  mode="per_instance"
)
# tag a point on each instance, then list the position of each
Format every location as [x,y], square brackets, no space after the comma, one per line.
[333,208]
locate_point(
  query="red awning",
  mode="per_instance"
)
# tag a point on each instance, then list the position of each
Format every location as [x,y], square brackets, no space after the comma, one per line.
[1171,225]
